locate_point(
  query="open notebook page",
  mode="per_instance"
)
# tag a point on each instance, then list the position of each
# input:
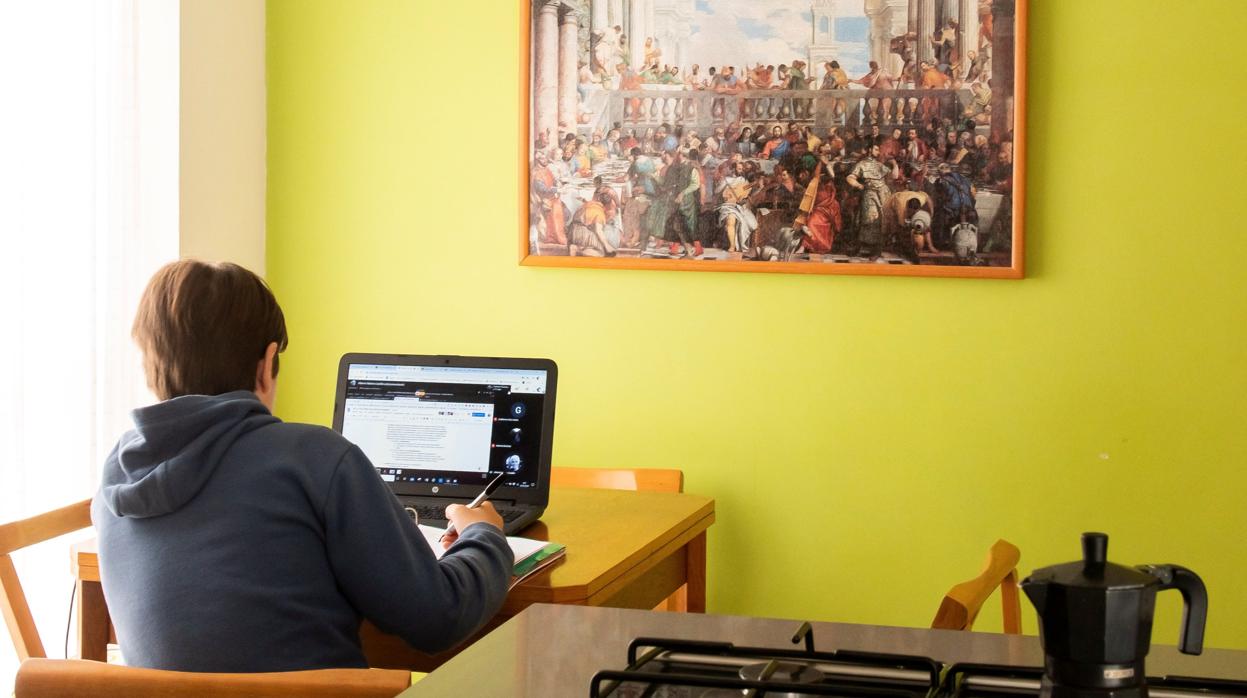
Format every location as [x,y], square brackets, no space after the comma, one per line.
[521,547]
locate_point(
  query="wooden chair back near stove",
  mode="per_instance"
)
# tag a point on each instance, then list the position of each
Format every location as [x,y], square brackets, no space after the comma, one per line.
[962,603]
[640,479]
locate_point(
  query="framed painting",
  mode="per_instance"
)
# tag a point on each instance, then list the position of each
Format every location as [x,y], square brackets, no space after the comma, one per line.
[807,136]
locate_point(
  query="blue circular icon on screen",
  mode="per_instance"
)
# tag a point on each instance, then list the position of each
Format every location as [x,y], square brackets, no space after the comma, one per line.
[513,463]
[518,409]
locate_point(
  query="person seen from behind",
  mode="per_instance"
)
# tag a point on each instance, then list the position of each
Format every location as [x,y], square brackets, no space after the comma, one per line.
[231,541]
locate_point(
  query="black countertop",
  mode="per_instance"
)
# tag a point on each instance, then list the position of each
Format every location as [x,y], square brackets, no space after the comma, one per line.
[554,650]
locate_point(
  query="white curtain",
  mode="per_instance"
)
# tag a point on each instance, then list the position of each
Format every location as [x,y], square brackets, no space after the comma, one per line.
[88,210]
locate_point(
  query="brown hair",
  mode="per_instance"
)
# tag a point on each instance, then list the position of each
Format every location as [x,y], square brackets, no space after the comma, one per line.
[203,327]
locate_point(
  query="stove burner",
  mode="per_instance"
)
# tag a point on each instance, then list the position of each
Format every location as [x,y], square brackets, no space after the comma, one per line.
[790,672]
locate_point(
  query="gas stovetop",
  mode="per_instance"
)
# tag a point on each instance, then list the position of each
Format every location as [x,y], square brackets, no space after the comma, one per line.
[667,668]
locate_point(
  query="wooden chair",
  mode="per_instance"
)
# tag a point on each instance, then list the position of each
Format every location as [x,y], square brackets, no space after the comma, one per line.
[22,534]
[66,678]
[39,677]
[962,603]
[641,479]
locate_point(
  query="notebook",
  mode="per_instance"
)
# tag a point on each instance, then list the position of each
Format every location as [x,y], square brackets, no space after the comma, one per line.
[531,556]
[439,428]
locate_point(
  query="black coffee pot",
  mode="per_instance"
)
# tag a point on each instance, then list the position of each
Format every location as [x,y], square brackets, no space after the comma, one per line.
[1095,621]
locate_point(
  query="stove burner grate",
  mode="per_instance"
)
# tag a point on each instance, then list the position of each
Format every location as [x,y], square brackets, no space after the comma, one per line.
[664,668]
[667,668]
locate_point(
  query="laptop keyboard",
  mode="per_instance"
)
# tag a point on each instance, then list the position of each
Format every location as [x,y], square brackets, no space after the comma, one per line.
[437,515]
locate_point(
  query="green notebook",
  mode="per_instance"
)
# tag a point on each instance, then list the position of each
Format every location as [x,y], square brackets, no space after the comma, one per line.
[541,558]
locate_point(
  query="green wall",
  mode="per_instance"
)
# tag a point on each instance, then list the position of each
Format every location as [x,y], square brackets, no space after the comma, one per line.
[866,439]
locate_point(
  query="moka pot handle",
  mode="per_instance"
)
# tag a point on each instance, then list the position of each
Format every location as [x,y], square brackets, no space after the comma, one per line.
[1195,603]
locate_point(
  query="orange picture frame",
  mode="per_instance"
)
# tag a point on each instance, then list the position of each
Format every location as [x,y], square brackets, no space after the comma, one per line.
[640,97]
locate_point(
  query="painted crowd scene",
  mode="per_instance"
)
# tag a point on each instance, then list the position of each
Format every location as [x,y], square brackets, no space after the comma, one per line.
[823,132]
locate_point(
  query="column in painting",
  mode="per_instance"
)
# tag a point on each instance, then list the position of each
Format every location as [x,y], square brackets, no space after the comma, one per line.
[684,31]
[1002,70]
[598,16]
[546,69]
[599,24]
[614,13]
[823,46]
[667,32]
[912,25]
[878,41]
[569,50]
[968,33]
[897,19]
[636,33]
[637,13]
[926,27]
[681,50]
[649,20]
[888,20]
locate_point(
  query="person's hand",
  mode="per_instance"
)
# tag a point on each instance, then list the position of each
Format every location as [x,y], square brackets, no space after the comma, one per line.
[462,517]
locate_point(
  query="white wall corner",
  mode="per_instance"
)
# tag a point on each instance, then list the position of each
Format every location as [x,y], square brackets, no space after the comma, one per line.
[223,132]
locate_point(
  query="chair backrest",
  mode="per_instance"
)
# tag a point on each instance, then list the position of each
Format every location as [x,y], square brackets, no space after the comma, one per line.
[63,678]
[644,479]
[21,534]
[962,603]
[40,677]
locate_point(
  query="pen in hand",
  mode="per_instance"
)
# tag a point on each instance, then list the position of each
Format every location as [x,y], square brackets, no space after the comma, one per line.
[480,499]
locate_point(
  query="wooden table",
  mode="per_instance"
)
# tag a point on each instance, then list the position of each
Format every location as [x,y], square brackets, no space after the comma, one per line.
[556,650]
[624,549]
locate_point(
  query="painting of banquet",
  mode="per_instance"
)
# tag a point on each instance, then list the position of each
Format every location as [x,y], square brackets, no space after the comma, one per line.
[815,131]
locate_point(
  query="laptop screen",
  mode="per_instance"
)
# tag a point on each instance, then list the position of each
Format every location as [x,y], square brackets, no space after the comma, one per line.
[446,425]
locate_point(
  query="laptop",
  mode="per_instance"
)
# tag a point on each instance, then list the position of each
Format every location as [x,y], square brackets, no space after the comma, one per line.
[439,428]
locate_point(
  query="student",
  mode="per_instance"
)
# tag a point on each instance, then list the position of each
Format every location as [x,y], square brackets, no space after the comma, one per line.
[231,541]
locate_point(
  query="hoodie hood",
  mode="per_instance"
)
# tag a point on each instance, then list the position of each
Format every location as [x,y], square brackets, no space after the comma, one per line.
[174,450]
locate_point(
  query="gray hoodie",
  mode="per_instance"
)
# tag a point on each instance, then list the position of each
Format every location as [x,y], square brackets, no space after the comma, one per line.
[231,541]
